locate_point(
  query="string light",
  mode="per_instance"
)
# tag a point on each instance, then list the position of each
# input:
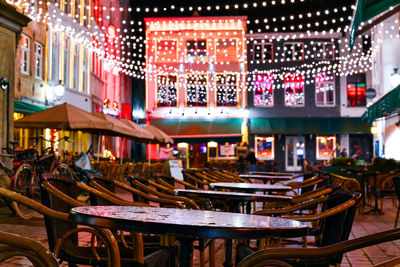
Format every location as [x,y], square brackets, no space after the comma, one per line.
[132,46]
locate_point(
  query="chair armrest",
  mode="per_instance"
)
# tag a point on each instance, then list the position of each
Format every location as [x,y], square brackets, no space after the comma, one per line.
[257,258]
[22,246]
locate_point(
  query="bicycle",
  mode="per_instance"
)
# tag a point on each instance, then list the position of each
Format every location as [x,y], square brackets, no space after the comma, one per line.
[26,179]
[7,175]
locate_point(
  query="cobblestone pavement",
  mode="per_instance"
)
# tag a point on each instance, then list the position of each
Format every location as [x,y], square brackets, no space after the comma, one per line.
[363,225]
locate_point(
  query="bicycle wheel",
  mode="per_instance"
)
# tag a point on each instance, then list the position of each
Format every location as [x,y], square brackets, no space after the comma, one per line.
[63,170]
[23,185]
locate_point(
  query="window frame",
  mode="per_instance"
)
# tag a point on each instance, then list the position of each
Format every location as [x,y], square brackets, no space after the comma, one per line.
[332,82]
[293,51]
[25,51]
[196,51]
[318,137]
[168,86]
[272,149]
[67,61]
[187,75]
[356,94]
[55,52]
[304,93]
[324,43]
[263,44]
[216,89]
[39,60]
[263,91]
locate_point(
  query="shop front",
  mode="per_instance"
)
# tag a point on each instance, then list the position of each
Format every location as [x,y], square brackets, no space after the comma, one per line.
[197,141]
[285,144]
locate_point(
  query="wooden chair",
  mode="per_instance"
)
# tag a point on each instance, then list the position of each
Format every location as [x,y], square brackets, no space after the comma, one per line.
[168,192]
[331,225]
[189,203]
[108,185]
[396,183]
[318,256]
[65,243]
[16,245]
[60,193]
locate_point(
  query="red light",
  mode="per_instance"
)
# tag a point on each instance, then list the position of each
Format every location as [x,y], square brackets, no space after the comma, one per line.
[17,163]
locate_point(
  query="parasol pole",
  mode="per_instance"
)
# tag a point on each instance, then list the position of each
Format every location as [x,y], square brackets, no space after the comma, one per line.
[122,149]
[98,148]
[149,151]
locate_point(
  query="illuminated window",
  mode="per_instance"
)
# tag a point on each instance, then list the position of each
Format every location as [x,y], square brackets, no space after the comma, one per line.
[227,150]
[97,12]
[293,51]
[77,6]
[294,89]
[263,90]
[38,60]
[196,50]
[166,51]
[226,90]
[196,90]
[55,56]
[325,147]
[65,6]
[86,13]
[324,90]
[265,147]
[226,50]
[263,51]
[166,91]
[76,66]
[324,51]
[356,94]
[85,70]
[66,60]
[25,53]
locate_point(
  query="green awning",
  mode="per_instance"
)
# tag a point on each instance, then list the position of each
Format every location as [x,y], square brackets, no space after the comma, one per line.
[307,126]
[387,105]
[199,128]
[366,10]
[26,108]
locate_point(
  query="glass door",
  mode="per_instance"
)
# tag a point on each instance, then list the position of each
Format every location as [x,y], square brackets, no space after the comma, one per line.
[295,151]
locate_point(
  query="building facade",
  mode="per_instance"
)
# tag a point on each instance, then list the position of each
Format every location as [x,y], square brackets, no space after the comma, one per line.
[195,85]
[11,24]
[70,53]
[296,100]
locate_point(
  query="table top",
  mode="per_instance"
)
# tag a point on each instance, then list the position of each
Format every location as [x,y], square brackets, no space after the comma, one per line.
[275,173]
[230,195]
[266,177]
[251,187]
[186,223]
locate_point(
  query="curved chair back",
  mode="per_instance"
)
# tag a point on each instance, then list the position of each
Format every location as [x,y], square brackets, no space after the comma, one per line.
[16,245]
[54,199]
[396,183]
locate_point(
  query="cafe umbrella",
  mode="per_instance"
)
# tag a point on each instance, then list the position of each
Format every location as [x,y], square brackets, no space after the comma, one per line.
[160,136]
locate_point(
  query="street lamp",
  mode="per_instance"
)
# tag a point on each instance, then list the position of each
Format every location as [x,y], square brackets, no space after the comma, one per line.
[59,90]
[54,92]
[395,78]
[5,86]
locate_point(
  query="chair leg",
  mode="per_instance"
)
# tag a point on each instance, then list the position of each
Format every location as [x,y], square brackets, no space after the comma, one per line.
[397,217]
[202,258]
[211,251]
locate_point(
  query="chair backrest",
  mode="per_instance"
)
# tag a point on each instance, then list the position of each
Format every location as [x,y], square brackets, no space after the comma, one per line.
[337,228]
[18,245]
[55,229]
[396,183]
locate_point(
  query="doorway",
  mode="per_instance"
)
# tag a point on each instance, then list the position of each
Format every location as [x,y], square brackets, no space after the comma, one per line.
[295,151]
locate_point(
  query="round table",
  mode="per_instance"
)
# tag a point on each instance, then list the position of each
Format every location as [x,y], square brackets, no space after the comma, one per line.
[186,225]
